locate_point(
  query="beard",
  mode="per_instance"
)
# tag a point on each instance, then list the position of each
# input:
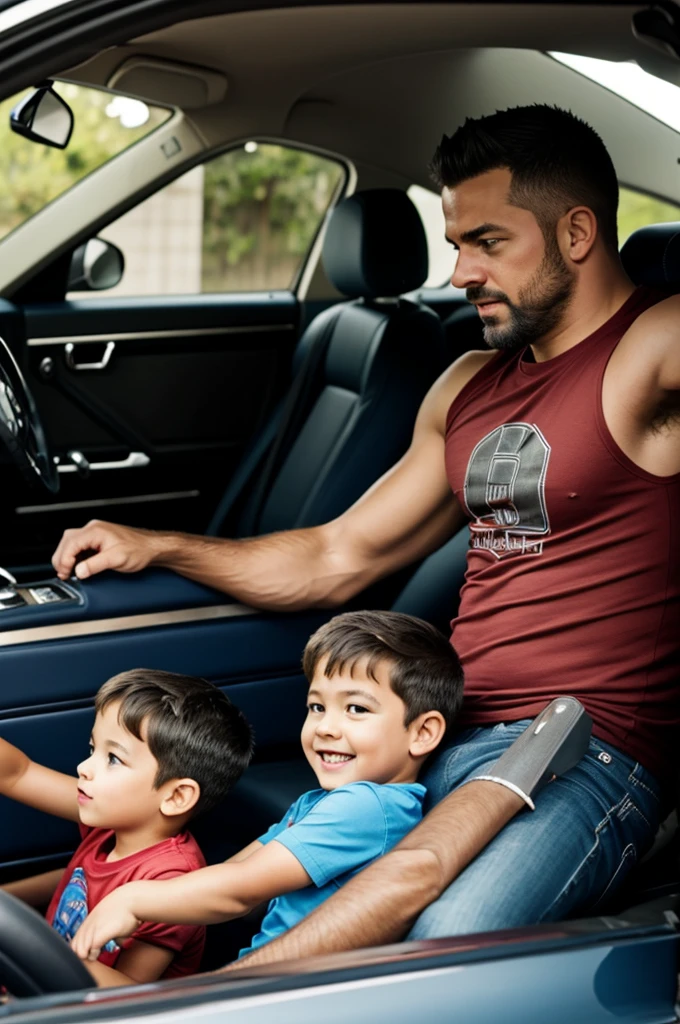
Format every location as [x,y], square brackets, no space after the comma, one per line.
[540,306]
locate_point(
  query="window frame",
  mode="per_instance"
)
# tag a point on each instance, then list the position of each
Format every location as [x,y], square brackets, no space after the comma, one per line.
[308,265]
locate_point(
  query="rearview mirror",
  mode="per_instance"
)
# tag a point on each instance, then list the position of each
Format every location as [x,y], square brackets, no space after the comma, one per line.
[95,265]
[43,116]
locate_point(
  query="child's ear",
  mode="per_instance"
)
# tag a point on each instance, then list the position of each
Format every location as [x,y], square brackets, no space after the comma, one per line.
[179,796]
[427,732]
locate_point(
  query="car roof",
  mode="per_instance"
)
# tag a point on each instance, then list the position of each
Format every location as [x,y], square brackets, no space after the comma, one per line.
[380,82]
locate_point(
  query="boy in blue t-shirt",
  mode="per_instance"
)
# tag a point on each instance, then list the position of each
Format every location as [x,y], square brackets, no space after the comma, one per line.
[384,688]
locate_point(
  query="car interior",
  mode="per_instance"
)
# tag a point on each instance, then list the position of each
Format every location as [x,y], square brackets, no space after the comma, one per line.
[244,412]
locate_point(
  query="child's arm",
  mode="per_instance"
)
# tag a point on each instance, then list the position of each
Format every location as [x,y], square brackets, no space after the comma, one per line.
[35,785]
[247,851]
[211,894]
[37,890]
[138,964]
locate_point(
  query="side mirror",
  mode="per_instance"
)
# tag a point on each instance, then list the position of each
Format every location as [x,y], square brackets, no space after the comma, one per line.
[95,265]
[43,116]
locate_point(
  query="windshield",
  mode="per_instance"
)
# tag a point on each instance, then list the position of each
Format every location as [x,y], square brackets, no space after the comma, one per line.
[625,78]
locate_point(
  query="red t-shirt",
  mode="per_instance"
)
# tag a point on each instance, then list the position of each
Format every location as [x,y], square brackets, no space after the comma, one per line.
[573,574]
[89,877]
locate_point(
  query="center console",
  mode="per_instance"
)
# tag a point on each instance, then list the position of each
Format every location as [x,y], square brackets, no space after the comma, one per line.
[14,595]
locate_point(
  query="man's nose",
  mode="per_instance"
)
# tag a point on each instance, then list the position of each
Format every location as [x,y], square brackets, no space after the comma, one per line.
[468,270]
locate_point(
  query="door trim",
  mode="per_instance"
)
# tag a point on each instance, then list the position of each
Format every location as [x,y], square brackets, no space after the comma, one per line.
[194,332]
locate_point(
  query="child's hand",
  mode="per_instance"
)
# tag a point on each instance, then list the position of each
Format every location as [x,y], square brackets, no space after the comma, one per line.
[110,919]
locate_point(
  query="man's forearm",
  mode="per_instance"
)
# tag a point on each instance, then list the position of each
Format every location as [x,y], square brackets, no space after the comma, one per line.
[288,571]
[379,905]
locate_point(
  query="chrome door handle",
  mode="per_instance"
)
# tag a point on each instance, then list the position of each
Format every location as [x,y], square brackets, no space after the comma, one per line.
[69,352]
[135,460]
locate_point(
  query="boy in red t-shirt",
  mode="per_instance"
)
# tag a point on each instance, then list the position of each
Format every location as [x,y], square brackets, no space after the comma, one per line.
[164,747]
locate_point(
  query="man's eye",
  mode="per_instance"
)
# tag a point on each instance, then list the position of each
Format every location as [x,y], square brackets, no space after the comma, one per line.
[357,709]
[488,243]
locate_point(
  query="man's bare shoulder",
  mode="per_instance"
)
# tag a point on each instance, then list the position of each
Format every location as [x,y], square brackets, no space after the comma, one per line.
[452,382]
[649,350]
[658,325]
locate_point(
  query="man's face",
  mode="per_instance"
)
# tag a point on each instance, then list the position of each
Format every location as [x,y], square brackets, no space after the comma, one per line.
[354,730]
[519,283]
[116,782]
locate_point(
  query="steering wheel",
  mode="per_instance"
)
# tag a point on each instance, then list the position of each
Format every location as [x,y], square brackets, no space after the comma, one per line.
[34,960]
[20,426]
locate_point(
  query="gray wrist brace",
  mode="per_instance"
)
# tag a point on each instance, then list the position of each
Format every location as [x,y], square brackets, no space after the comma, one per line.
[554,742]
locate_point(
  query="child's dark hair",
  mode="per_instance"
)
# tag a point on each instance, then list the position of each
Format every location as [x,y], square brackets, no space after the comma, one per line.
[556,161]
[192,728]
[424,669]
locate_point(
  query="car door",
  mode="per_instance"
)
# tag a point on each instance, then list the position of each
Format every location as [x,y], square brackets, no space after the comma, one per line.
[150,390]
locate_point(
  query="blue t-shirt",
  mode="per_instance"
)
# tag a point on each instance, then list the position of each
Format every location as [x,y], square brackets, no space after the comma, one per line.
[334,835]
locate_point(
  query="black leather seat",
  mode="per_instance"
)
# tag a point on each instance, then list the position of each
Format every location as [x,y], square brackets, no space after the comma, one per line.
[361,371]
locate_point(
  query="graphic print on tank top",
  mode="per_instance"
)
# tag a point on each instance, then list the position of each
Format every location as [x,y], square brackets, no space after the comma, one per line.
[505,491]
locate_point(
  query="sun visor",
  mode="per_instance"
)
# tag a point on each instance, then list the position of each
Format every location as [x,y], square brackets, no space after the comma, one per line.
[168,84]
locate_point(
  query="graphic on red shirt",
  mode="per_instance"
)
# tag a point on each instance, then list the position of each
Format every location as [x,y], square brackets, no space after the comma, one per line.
[73,909]
[90,876]
[504,490]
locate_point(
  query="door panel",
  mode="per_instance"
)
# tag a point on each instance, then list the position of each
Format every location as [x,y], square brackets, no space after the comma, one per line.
[159,395]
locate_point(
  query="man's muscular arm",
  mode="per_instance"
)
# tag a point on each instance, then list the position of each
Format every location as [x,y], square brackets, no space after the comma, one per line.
[379,905]
[641,390]
[408,513]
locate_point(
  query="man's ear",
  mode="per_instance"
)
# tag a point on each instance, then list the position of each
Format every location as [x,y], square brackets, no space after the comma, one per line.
[427,731]
[179,796]
[576,232]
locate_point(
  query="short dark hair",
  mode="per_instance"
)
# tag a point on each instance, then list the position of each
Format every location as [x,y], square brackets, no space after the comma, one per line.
[556,161]
[192,728]
[424,669]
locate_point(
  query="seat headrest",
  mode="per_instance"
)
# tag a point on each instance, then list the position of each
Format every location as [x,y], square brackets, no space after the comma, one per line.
[652,255]
[375,245]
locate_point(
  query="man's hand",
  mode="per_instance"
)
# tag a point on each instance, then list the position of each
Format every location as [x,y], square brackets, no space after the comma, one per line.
[113,547]
[112,918]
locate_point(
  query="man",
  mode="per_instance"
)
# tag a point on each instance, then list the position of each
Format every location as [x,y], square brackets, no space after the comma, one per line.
[561,448]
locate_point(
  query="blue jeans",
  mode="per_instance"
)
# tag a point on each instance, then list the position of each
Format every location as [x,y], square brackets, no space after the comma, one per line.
[588,830]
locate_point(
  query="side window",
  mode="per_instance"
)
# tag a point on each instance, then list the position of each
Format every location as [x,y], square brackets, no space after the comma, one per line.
[636,209]
[244,221]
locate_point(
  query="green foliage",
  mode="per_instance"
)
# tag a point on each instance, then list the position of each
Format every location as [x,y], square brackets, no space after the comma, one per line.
[32,175]
[261,211]
[637,209]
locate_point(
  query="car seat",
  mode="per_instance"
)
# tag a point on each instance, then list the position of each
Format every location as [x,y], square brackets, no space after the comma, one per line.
[360,372]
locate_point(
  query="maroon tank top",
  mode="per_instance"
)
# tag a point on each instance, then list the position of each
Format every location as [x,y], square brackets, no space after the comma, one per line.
[573,574]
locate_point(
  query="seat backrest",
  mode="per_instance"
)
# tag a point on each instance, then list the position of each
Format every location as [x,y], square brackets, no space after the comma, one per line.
[463,332]
[651,256]
[381,354]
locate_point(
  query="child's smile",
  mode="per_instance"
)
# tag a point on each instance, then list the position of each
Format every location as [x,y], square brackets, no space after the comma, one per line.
[355,732]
